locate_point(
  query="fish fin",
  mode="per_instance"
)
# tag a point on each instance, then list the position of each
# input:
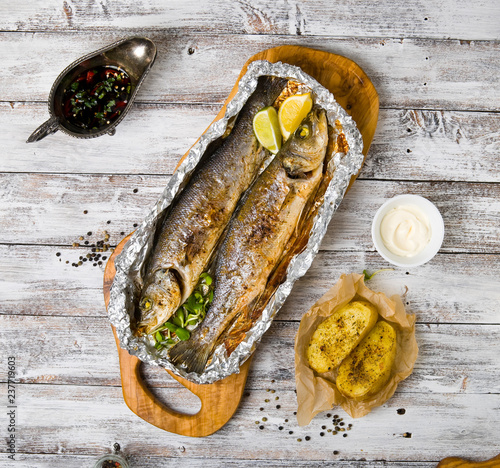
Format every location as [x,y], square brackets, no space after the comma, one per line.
[194,359]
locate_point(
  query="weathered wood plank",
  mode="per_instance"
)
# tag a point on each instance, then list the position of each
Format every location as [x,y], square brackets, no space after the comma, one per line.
[71,420]
[463,20]
[44,460]
[449,289]
[424,74]
[408,145]
[81,351]
[53,206]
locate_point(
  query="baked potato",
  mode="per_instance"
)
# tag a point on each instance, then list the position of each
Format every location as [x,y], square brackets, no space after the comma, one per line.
[339,334]
[368,368]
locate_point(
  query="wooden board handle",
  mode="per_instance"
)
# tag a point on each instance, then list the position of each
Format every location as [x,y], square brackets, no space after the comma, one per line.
[455,462]
[219,400]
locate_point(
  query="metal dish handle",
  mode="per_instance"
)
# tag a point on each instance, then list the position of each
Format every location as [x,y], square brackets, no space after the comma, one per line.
[47,128]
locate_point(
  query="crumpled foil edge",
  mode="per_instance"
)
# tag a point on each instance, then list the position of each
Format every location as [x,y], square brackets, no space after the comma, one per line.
[129,262]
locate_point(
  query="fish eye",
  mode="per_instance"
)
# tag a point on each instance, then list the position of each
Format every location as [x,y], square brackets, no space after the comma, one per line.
[146,304]
[302,132]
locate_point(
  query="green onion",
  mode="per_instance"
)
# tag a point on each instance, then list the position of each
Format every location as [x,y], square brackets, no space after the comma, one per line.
[190,314]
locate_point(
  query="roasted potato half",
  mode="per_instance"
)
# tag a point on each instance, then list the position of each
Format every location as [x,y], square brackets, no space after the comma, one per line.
[368,368]
[339,334]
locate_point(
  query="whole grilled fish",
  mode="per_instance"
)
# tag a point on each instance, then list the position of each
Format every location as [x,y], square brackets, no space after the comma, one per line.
[257,236]
[192,229]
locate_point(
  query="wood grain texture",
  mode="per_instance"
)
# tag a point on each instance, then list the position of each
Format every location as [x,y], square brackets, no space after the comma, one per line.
[45,203]
[311,17]
[407,73]
[455,462]
[408,144]
[34,282]
[435,68]
[453,358]
[53,460]
[437,422]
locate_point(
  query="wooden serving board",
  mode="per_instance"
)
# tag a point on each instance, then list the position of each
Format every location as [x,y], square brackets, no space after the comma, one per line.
[354,91]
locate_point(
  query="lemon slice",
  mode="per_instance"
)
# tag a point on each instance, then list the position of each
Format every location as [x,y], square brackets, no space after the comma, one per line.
[293,111]
[267,129]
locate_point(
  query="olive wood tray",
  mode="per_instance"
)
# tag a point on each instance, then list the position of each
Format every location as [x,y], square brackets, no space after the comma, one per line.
[354,91]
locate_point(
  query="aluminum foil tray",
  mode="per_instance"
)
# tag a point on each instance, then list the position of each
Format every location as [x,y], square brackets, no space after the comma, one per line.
[129,263]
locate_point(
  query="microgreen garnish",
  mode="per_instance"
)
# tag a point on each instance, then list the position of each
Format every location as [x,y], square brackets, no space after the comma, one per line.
[188,315]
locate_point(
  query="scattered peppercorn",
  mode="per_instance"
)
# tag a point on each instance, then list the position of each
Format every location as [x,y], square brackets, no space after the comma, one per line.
[344,435]
[308,438]
[261,427]
[335,452]
[321,434]
[401,411]
[136,190]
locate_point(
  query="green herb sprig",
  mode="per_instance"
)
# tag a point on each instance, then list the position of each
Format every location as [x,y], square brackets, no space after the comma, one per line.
[369,277]
[188,315]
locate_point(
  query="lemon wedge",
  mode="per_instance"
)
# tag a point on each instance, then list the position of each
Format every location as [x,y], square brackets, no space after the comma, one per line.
[293,111]
[267,129]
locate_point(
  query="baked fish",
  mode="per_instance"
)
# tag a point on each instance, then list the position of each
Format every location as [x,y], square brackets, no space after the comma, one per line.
[191,231]
[257,235]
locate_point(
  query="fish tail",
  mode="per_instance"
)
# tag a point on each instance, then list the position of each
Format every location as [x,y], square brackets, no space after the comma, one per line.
[194,359]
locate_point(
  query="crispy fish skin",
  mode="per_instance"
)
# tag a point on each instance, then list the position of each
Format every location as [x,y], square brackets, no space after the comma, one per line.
[257,235]
[192,229]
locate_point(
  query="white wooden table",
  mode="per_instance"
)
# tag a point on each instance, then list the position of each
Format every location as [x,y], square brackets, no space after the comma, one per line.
[436,68]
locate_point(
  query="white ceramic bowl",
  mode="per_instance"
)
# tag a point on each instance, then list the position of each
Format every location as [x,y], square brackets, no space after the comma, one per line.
[437,230]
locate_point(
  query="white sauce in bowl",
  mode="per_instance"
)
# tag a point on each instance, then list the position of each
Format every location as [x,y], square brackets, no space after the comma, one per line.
[405,230]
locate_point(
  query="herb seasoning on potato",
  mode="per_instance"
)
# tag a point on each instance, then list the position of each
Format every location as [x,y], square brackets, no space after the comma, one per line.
[368,368]
[339,334]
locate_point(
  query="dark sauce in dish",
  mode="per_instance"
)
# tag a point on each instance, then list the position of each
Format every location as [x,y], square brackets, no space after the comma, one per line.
[96,97]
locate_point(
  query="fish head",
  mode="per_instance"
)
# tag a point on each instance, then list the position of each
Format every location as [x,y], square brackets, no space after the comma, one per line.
[160,299]
[305,149]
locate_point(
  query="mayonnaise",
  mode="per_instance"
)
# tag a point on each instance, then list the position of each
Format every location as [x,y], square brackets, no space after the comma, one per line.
[405,230]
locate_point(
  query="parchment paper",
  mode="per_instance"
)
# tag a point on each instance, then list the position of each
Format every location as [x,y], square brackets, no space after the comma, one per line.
[318,392]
